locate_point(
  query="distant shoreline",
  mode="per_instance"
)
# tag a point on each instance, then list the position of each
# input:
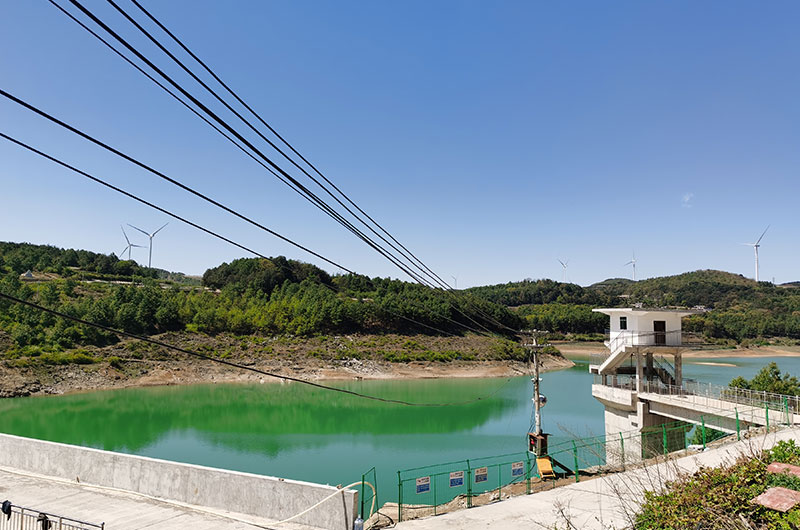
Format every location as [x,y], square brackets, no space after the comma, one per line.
[356,357]
[584,350]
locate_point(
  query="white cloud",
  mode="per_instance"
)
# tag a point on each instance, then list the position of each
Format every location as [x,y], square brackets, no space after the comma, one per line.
[686,200]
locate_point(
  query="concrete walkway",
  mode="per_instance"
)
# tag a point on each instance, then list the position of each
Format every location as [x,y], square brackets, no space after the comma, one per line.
[598,504]
[119,510]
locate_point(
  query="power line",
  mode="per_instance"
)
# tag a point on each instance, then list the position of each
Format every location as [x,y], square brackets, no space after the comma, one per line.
[192,224]
[241,366]
[273,131]
[254,129]
[162,210]
[322,204]
[315,200]
[177,98]
[421,265]
[165,177]
[182,186]
[300,187]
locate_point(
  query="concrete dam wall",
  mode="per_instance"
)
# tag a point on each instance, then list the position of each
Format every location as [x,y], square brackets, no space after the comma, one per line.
[243,493]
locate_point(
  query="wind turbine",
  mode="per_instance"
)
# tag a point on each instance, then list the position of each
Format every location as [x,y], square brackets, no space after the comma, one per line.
[130,245]
[755,247]
[632,262]
[564,275]
[150,236]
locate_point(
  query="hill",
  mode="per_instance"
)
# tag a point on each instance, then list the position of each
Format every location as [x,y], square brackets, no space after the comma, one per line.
[276,296]
[742,308]
[282,296]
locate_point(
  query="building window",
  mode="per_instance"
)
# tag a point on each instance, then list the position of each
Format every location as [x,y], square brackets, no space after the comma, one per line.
[623,322]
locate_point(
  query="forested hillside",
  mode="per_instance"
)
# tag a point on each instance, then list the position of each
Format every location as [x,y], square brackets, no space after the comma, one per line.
[280,296]
[248,296]
[741,308]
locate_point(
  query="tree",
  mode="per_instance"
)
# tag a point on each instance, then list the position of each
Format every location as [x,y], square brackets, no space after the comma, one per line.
[770,379]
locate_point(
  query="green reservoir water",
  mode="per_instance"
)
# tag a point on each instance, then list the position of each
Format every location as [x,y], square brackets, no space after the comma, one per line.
[305,433]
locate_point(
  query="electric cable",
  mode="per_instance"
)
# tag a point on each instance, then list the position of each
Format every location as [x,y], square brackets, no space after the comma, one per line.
[253,128]
[327,208]
[301,189]
[273,131]
[190,223]
[162,344]
[175,96]
[189,189]
[165,177]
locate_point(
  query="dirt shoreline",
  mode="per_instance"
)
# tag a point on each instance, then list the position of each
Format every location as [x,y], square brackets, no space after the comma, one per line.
[302,359]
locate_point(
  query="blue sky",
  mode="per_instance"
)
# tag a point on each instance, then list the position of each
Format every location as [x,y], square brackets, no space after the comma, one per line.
[491,138]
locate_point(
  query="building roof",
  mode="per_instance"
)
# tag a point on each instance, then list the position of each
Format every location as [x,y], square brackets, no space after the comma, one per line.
[641,311]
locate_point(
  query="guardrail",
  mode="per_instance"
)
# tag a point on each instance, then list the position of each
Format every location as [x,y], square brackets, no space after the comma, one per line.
[368,494]
[426,490]
[430,487]
[756,405]
[21,518]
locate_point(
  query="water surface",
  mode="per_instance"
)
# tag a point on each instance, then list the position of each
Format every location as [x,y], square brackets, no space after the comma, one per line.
[306,433]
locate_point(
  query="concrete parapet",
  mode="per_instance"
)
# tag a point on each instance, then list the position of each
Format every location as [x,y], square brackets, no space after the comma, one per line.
[244,493]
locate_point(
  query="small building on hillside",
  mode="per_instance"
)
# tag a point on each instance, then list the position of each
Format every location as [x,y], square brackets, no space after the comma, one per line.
[27,275]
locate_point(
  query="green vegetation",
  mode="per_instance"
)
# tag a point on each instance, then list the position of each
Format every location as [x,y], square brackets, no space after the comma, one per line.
[279,296]
[248,296]
[720,497]
[770,379]
[744,311]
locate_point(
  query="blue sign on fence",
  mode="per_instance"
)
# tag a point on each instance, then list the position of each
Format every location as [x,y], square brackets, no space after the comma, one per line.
[456,479]
[423,484]
[481,474]
[517,469]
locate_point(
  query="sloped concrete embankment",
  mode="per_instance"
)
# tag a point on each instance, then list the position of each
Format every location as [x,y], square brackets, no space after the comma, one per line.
[244,493]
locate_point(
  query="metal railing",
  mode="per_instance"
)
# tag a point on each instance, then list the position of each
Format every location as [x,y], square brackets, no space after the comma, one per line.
[634,338]
[707,394]
[430,487]
[424,490]
[368,494]
[22,518]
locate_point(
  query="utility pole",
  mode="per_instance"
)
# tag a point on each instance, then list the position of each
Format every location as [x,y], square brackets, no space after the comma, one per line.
[537,439]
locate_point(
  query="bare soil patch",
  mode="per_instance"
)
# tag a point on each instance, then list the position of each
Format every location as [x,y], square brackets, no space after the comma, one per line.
[134,364]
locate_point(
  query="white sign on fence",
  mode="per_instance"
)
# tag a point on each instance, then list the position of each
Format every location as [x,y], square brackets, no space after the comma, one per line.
[456,479]
[517,469]
[481,474]
[423,484]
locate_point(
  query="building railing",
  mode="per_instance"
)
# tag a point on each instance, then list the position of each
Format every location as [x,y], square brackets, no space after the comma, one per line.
[21,518]
[752,406]
[741,396]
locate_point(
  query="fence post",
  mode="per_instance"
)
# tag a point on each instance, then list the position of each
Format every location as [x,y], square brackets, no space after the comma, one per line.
[361,497]
[575,457]
[738,432]
[469,485]
[766,413]
[399,498]
[528,473]
[786,408]
[703,420]
[435,501]
[499,482]
[664,436]
[622,447]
